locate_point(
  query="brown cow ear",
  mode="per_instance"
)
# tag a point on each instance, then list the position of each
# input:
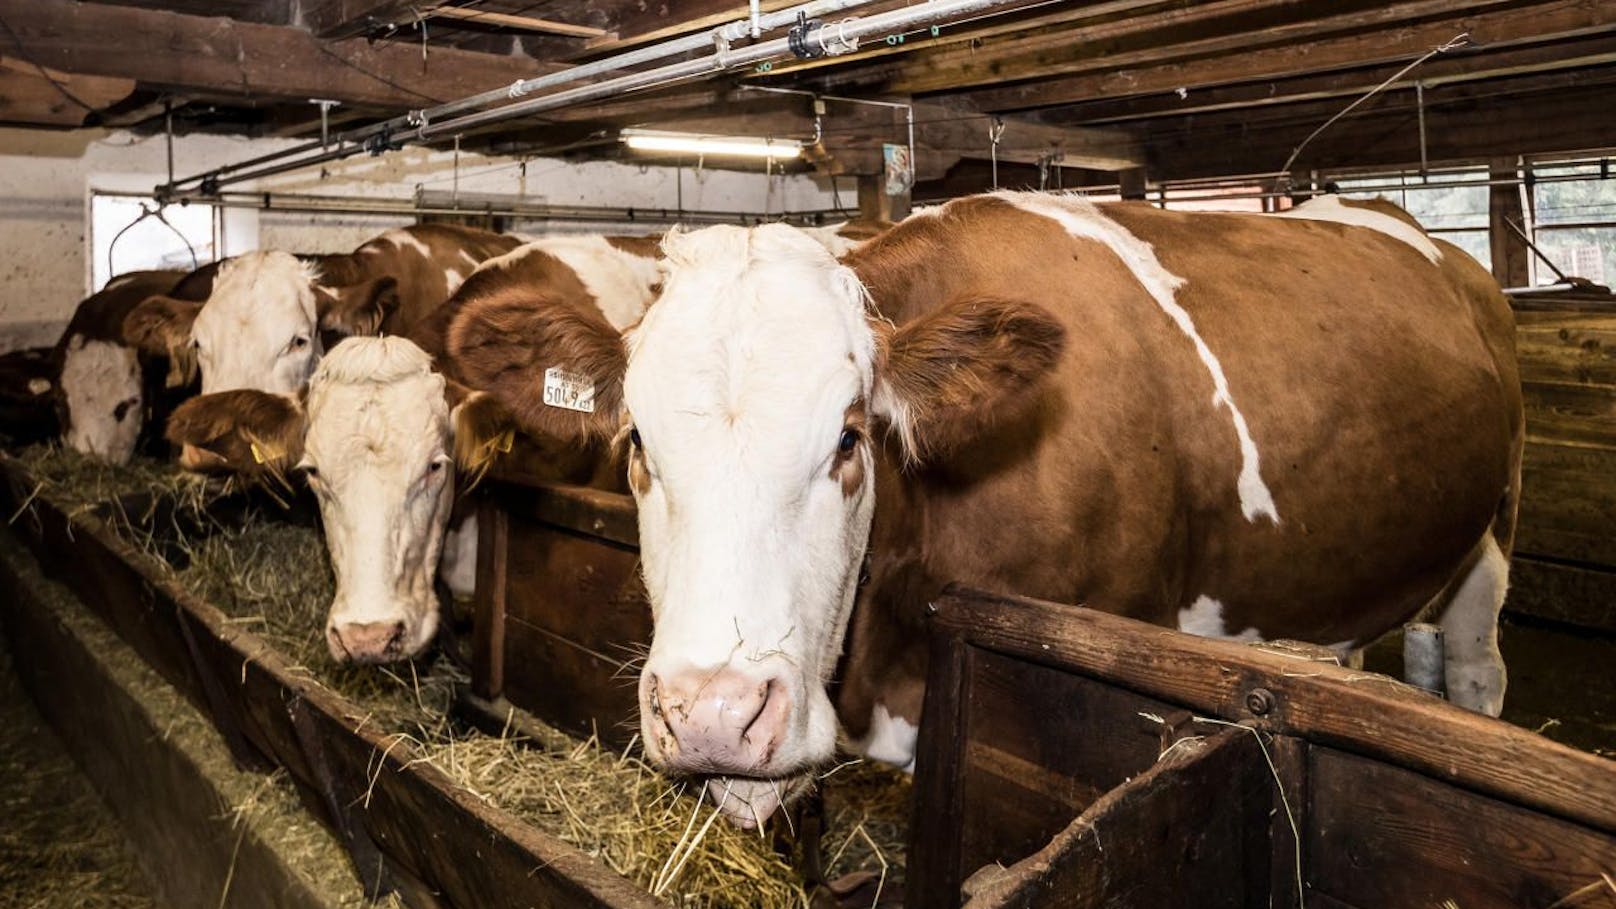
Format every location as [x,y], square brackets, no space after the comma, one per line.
[160,325]
[556,365]
[252,434]
[358,309]
[483,431]
[945,376]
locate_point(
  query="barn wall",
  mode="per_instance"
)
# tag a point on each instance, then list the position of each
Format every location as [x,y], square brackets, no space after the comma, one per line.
[46,178]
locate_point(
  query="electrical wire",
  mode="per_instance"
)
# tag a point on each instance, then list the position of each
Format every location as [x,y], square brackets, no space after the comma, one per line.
[374,75]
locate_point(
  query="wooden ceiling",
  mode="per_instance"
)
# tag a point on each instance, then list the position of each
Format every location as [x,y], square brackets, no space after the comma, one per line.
[1181,88]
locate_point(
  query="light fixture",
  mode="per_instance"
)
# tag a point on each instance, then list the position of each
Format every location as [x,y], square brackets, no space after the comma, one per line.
[691,143]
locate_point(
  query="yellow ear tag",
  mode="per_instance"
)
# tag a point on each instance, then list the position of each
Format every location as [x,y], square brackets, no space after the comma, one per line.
[258,456]
[505,440]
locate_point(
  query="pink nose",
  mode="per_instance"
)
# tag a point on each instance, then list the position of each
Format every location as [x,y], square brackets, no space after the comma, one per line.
[367,642]
[716,721]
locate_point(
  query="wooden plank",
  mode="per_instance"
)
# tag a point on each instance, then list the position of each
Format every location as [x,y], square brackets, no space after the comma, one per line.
[1176,835]
[225,57]
[1568,503]
[1510,256]
[1384,836]
[32,95]
[1025,777]
[932,875]
[576,623]
[1574,594]
[350,18]
[1370,715]
[1561,346]
[1577,413]
[488,600]
[520,23]
[607,516]
[1281,58]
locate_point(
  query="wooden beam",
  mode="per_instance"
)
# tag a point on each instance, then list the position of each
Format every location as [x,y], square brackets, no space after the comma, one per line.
[1511,258]
[35,96]
[246,60]
[348,18]
[520,23]
[1222,62]
[1464,124]
[1472,65]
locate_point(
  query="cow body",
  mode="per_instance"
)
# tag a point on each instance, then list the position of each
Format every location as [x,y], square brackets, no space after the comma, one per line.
[1261,429]
[1241,426]
[112,397]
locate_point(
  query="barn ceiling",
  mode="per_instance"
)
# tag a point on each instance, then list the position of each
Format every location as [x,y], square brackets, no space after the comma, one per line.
[1187,88]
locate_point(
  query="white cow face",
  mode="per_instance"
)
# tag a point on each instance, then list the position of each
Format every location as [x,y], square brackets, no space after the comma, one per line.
[101,388]
[752,395]
[260,327]
[377,452]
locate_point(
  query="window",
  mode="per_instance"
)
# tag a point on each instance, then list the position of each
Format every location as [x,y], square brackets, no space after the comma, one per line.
[1574,208]
[1453,206]
[121,240]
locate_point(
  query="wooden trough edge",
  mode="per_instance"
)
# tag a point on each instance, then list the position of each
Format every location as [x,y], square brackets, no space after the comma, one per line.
[1363,713]
[407,825]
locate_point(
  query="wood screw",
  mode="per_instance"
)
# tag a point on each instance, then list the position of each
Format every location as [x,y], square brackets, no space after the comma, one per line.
[1259,701]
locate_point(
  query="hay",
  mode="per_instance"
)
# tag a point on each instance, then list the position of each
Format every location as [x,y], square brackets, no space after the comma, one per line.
[275,579]
[77,483]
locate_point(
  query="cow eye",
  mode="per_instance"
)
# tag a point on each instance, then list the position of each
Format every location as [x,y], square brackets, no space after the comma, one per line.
[634,437]
[123,408]
[310,472]
[298,343]
[848,441]
[435,467]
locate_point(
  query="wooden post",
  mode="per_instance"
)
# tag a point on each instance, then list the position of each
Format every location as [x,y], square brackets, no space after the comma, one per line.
[1133,182]
[875,204]
[1511,258]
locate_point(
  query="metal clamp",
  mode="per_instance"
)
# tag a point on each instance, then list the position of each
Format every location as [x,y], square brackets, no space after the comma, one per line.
[800,38]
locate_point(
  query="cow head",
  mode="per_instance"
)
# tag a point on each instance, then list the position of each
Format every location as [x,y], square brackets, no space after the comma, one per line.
[374,438]
[260,328]
[102,402]
[752,397]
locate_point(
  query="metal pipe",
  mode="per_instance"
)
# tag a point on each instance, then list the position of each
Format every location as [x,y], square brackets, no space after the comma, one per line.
[719,36]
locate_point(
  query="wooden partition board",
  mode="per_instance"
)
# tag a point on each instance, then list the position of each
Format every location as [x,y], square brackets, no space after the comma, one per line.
[408,827]
[1401,799]
[561,617]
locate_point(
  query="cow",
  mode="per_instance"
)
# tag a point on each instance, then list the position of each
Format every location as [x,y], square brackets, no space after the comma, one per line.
[385,432]
[111,397]
[27,397]
[271,313]
[1240,426]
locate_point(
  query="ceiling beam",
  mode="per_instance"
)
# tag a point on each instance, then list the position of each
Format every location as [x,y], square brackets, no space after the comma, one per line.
[1472,65]
[519,23]
[1527,115]
[222,57]
[1216,62]
[348,18]
[36,96]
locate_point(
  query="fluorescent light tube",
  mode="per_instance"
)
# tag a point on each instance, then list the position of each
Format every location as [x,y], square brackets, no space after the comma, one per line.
[736,146]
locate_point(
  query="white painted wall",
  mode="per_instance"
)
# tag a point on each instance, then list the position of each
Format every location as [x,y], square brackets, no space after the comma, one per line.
[46,179]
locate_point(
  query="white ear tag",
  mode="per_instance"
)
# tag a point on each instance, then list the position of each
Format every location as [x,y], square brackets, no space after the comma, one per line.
[568,390]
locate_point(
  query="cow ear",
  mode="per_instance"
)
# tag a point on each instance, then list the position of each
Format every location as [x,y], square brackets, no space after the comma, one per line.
[555,365]
[943,377]
[252,434]
[160,325]
[358,309]
[483,431]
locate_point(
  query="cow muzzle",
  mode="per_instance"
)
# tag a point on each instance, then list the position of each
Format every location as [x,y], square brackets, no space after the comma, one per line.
[716,721]
[367,642]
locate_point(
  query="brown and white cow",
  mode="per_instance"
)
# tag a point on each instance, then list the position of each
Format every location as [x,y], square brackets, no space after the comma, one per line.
[111,396]
[384,428]
[262,326]
[1239,425]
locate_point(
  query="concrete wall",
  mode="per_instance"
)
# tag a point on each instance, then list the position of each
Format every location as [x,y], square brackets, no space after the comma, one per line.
[46,179]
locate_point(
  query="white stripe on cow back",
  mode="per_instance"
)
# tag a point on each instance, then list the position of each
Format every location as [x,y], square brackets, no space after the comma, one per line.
[403,239]
[1081,218]
[1329,208]
[619,281]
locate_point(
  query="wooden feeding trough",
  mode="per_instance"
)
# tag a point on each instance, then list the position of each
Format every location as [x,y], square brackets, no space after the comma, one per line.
[405,823]
[1088,760]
